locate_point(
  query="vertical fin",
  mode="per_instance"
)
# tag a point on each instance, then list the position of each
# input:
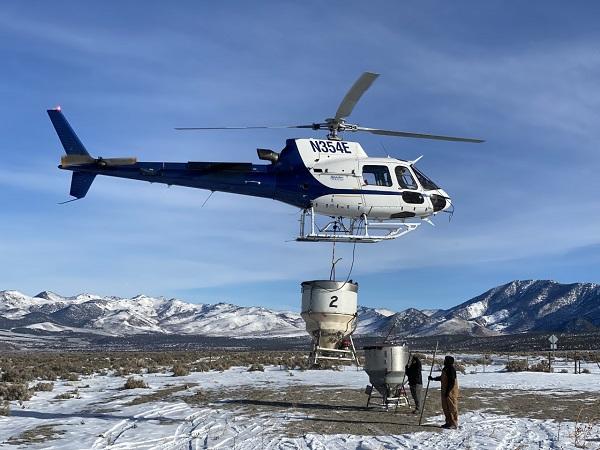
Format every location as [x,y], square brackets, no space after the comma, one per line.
[67,136]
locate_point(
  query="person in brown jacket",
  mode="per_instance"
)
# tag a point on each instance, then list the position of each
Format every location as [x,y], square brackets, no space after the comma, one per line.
[449,392]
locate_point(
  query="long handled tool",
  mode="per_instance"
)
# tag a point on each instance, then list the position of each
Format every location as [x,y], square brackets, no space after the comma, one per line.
[428,381]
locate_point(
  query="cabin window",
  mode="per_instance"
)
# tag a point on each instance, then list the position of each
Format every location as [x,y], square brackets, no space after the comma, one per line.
[427,184]
[405,178]
[376,176]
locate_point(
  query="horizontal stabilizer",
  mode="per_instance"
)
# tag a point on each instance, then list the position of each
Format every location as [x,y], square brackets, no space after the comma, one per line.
[76,160]
[80,160]
[114,162]
[80,183]
[67,136]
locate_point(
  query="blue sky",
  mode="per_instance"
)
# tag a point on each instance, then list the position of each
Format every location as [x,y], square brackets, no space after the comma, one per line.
[522,75]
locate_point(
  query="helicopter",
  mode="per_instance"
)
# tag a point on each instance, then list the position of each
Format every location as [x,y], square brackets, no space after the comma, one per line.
[365,199]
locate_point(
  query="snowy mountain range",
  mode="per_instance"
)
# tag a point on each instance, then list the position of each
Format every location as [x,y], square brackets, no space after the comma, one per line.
[516,307]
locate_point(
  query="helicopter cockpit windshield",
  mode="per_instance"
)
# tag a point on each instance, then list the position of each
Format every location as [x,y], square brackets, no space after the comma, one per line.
[427,184]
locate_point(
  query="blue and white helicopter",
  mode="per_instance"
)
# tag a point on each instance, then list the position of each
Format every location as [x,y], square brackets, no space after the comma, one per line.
[365,199]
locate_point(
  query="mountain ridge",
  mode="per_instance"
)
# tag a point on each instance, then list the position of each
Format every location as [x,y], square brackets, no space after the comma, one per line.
[515,307]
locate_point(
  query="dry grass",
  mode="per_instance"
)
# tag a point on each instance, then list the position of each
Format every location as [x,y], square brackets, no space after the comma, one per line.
[587,421]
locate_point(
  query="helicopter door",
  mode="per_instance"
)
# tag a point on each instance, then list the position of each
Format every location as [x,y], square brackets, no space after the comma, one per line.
[379,191]
[413,202]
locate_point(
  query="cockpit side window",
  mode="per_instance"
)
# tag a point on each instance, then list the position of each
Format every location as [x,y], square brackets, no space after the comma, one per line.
[405,178]
[427,184]
[376,176]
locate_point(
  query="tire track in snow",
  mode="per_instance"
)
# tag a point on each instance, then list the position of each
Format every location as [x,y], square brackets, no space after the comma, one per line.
[108,439]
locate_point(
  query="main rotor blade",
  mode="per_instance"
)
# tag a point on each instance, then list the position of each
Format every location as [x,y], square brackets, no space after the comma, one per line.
[417,135]
[243,128]
[355,93]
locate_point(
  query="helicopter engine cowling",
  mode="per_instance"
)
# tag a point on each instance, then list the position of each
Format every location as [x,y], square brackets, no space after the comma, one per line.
[267,155]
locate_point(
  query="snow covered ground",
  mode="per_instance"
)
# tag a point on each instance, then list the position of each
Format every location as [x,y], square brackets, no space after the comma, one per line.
[104,416]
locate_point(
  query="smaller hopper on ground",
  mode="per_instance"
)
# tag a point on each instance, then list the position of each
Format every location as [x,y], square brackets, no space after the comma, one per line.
[329,309]
[385,364]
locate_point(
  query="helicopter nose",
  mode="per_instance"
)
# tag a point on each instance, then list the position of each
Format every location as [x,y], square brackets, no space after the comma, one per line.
[439,202]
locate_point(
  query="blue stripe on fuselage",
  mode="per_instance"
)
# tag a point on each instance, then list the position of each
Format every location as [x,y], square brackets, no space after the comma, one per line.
[288,180]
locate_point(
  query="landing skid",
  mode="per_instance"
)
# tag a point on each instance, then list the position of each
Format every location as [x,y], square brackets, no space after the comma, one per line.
[351,230]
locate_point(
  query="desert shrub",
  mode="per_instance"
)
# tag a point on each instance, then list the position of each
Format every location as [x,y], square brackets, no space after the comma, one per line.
[542,366]
[179,370]
[127,369]
[220,366]
[201,367]
[29,367]
[67,395]
[72,377]
[4,408]
[460,367]
[12,375]
[153,369]
[14,391]
[486,360]
[295,362]
[256,368]
[121,372]
[516,365]
[326,365]
[135,383]
[41,386]
[586,370]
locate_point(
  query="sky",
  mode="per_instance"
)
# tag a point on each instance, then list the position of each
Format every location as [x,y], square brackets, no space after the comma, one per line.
[521,75]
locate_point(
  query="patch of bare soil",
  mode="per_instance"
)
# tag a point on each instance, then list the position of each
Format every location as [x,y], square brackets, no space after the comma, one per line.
[43,433]
[161,394]
[573,407]
[327,411]
[344,411]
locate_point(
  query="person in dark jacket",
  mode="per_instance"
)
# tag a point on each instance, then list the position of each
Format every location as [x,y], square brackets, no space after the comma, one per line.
[449,392]
[415,381]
